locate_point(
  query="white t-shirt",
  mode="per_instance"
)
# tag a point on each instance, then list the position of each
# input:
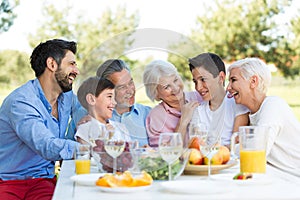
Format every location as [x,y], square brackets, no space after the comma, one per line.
[283,146]
[93,128]
[220,120]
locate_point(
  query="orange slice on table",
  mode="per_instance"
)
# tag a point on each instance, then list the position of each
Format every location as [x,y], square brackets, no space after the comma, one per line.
[143,180]
[102,181]
[124,180]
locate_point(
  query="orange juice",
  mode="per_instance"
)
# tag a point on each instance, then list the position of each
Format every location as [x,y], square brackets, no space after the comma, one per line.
[82,166]
[253,161]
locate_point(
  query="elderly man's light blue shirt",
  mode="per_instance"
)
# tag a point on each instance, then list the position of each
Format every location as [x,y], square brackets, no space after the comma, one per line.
[31,138]
[134,121]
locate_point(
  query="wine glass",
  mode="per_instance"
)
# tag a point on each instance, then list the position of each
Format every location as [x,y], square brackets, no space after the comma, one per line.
[170,147]
[114,147]
[208,141]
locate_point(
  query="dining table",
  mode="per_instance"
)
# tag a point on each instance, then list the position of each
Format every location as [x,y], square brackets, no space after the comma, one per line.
[279,186]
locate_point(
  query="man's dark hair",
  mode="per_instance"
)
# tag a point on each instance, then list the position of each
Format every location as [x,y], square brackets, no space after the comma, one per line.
[55,48]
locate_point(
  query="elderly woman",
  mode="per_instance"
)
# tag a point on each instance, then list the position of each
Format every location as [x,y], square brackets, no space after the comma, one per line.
[174,112]
[218,110]
[249,80]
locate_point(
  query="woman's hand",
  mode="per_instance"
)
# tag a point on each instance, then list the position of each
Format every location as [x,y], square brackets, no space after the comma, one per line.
[187,111]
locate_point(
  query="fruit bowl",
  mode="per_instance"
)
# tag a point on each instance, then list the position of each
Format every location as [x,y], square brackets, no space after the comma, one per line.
[203,169]
[149,160]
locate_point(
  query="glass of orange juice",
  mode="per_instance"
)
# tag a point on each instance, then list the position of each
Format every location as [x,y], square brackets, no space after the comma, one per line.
[252,148]
[82,159]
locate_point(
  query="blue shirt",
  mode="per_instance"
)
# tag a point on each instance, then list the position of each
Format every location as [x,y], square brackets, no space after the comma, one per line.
[31,138]
[134,120]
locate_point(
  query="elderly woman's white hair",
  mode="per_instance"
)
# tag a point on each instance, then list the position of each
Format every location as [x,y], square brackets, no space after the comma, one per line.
[153,72]
[254,66]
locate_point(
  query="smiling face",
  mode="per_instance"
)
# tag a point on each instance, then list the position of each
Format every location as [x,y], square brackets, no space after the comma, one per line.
[104,105]
[67,72]
[238,87]
[206,85]
[170,90]
[124,89]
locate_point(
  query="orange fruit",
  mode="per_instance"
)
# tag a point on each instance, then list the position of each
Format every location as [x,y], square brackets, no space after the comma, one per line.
[121,180]
[124,180]
[143,179]
[102,181]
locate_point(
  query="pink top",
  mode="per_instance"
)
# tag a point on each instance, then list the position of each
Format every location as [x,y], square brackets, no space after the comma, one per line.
[162,118]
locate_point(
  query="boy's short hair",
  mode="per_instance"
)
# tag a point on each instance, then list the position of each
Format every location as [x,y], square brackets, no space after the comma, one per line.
[92,85]
[210,62]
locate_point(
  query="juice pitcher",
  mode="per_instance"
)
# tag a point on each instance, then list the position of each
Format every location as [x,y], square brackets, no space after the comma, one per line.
[252,141]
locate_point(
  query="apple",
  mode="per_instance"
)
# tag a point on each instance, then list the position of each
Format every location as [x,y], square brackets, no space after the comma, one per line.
[196,158]
[224,151]
[194,143]
[217,159]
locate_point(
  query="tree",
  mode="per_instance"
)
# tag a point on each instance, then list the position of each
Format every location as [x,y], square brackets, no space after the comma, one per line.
[14,68]
[295,43]
[7,15]
[239,29]
[95,38]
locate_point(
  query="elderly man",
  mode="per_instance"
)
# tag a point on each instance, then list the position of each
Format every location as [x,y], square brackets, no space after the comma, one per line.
[132,114]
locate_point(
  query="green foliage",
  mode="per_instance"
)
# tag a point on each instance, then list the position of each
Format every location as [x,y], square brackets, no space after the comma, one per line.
[7,15]
[239,29]
[14,68]
[97,39]
[185,49]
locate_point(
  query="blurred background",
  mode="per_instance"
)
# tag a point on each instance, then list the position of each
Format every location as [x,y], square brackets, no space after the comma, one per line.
[139,31]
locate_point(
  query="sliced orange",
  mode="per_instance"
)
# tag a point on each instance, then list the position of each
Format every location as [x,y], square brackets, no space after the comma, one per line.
[122,180]
[143,180]
[102,181]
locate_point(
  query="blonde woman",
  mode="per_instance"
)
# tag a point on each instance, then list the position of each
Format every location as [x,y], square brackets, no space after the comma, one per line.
[249,80]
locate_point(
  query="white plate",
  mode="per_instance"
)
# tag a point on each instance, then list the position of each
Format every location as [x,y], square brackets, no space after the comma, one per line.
[257,179]
[124,189]
[196,187]
[87,179]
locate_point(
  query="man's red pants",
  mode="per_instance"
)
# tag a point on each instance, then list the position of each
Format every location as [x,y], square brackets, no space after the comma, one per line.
[30,189]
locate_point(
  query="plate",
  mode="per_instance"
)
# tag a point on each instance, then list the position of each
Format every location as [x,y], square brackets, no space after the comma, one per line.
[124,189]
[203,169]
[87,179]
[203,186]
[257,179]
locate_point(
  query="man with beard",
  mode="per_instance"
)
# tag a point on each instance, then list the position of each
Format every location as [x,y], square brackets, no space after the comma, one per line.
[33,121]
[127,112]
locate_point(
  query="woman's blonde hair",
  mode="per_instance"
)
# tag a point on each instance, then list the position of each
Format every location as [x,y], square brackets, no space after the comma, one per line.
[254,66]
[153,72]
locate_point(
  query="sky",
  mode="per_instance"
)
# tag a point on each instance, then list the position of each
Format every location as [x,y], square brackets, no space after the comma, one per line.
[179,16]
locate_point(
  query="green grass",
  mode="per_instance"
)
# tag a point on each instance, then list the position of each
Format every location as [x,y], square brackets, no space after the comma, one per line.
[289,90]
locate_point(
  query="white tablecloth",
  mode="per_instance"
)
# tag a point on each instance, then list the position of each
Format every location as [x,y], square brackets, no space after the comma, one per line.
[283,186]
